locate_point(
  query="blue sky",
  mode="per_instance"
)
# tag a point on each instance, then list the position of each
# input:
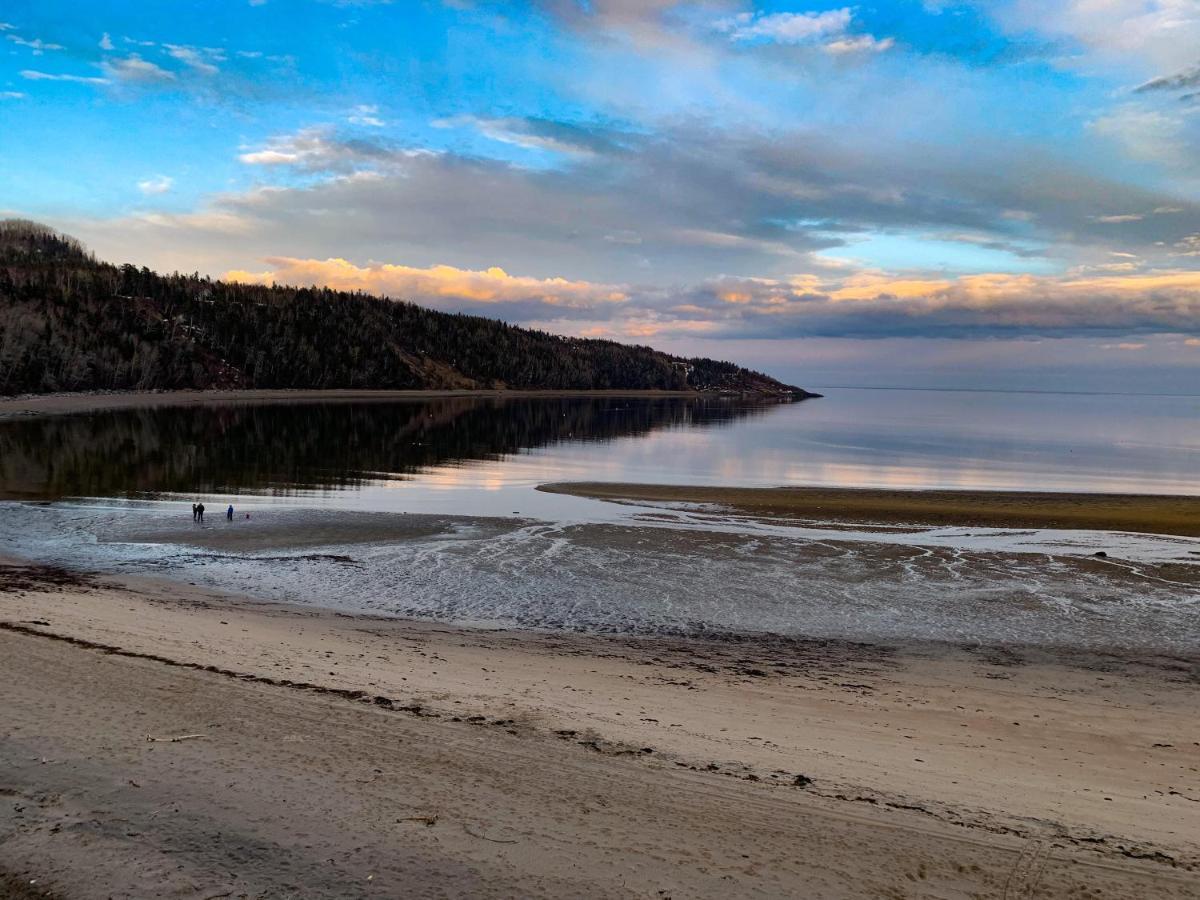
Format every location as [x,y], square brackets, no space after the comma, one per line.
[922,192]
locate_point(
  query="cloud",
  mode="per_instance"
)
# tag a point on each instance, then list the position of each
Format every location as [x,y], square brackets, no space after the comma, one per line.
[1151,135]
[863,43]
[989,305]
[159,184]
[37,45]
[366,114]
[134,69]
[12,95]
[1188,78]
[318,149]
[785,27]
[1188,246]
[1161,34]
[34,75]
[541,134]
[676,206]
[645,22]
[106,42]
[863,304]
[435,285]
[198,60]
[828,29]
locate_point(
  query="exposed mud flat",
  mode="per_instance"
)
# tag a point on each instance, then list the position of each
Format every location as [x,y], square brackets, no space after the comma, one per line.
[1145,513]
[692,574]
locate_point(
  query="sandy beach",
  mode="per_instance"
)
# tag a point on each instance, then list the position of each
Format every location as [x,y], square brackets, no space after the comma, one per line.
[215,746]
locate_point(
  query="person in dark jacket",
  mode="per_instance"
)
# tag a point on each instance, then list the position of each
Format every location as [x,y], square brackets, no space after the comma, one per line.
[229,513]
[200,513]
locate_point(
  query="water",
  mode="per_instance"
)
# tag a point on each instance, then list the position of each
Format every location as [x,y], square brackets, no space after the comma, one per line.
[478,544]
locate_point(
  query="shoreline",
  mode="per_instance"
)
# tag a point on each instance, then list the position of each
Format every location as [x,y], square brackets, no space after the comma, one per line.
[909,754]
[90,401]
[1168,515]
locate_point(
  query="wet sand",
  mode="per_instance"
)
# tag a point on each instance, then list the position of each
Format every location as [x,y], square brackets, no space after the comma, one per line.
[1142,513]
[327,755]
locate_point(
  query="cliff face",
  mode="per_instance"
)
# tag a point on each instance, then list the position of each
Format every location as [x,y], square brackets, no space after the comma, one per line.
[71,322]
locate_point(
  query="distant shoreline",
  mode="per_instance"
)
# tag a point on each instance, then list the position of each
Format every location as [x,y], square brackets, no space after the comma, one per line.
[1142,513]
[91,401]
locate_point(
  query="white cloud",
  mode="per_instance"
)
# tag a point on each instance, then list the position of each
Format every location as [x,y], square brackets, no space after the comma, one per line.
[34,75]
[11,95]
[106,42]
[365,114]
[828,29]
[1154,35]
[785,27]
[862,43]
[37,45]
[200,61]
[159,184]
[318,149]
[137,70]
[1189,246]
[1147,134]
[537,134]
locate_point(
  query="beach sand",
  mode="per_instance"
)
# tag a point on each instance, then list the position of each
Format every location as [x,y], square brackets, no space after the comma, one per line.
[1143,513]
[325,755]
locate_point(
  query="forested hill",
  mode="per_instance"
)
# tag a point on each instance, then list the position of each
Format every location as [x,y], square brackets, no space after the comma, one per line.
[69,322]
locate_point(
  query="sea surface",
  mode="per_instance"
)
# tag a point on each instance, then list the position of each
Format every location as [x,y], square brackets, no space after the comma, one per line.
[112,491]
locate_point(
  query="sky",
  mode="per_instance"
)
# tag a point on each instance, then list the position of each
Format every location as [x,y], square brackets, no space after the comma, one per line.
[986,193]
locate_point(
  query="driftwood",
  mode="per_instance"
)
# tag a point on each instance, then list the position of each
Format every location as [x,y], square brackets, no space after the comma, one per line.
[484,837]
[427,821]
[173,740]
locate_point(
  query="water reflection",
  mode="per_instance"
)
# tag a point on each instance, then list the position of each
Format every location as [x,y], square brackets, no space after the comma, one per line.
[290,448]
[410,455]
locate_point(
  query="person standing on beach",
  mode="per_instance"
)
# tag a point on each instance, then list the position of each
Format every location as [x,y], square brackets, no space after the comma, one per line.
[195,512]
[200,513]
[229,513]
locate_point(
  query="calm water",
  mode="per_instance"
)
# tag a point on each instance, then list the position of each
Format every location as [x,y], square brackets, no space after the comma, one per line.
[387,453]
[478,544]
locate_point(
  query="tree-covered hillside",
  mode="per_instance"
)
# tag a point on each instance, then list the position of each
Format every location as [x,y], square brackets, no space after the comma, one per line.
[69,322]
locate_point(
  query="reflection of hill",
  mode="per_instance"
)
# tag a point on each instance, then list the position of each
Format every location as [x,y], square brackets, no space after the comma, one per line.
[286,447]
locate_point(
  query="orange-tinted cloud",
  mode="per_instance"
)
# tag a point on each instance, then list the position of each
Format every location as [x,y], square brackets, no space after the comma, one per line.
[862,303]
[486,286]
